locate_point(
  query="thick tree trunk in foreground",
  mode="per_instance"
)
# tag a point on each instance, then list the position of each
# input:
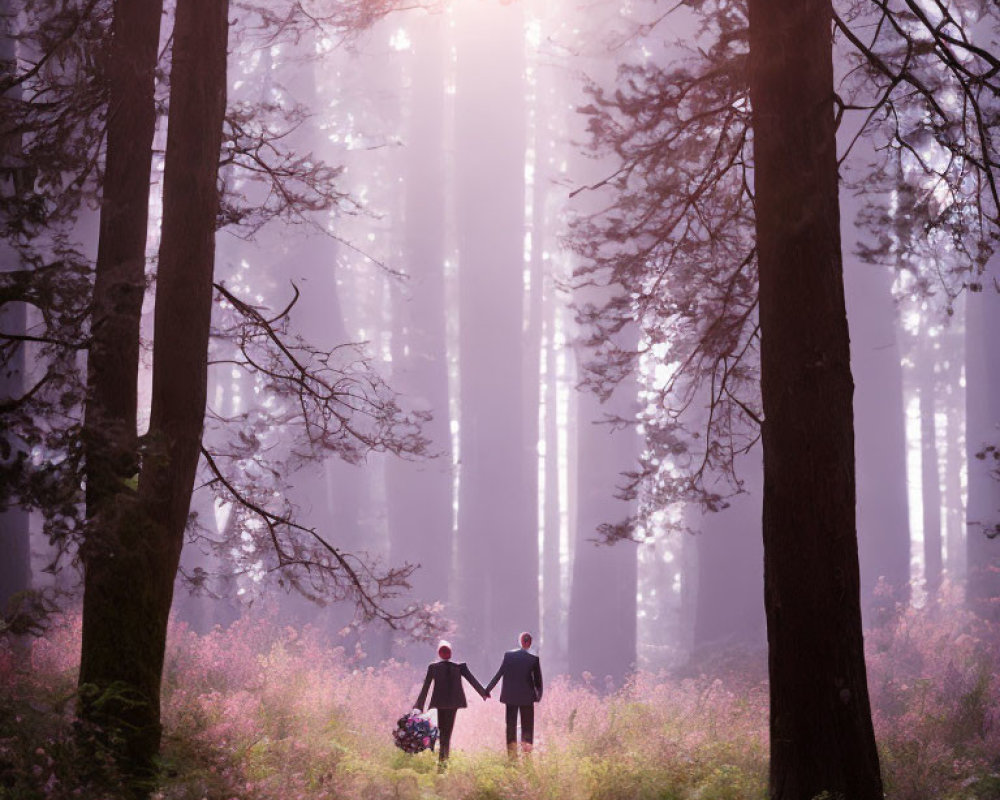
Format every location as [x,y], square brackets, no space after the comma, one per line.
[129,589]
[821,729]
[15,535]
[120,275]
[109,431]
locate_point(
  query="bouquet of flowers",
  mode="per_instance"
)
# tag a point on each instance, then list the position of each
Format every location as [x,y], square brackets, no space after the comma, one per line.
[414,732]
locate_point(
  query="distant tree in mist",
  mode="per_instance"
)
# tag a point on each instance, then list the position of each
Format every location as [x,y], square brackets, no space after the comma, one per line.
[880,432]
[727,608]
[15,569]
[677,211]
[930,482]
[420,494]
[933,213]
[982,387]
[602,610]
[497,578]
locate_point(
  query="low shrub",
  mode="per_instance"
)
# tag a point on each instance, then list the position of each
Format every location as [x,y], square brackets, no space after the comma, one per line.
[260,711]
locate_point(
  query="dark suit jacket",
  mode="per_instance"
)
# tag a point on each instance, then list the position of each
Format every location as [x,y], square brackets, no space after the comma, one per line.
[448,692]
[522,678]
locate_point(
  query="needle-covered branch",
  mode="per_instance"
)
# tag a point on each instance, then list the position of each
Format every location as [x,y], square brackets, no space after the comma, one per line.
[675,231]
[931,75]
[290,20]
[311,404]
[675,237]
[307,561]
[265,179]
[335,399]
[53,104]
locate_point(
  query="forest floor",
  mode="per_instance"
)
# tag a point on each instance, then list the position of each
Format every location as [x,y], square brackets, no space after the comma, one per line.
[260,711]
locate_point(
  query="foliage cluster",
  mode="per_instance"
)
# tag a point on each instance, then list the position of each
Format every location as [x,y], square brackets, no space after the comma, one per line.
[934,676]
[671,236]
[264,711]
[313,402]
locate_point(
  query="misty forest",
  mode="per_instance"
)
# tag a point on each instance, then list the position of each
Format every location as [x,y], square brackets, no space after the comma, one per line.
[341,338]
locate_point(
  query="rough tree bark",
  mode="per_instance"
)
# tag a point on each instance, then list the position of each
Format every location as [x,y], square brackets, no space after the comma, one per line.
[821,730]
[130,587]
[15,537]
[120,279]
[109,430]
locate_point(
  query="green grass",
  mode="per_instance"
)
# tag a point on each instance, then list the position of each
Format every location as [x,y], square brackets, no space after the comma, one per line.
[268,713]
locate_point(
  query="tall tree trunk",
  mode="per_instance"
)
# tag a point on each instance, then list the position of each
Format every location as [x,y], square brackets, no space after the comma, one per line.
[15,542]
[498,561]
[130,586]
[420,493]
[15,536]
[812,595]
[184,280]
[536,160]
[930,479]
[982,403]
[109,432]
[553,622]
[602,611]
[954,457]
[685,606]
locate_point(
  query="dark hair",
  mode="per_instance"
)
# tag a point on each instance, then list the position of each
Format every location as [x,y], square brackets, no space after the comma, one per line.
[444,651]
[525,639]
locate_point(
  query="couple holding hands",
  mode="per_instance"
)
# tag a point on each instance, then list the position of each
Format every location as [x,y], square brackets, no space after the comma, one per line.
[521,672]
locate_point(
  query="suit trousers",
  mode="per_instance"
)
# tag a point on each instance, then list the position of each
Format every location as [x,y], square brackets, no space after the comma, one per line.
[527,714]
[446,724]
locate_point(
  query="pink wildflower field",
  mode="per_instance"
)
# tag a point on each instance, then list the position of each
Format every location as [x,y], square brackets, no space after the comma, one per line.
[260,711]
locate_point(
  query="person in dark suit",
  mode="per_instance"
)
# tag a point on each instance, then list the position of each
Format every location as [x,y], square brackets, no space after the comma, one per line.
[448,695]
[521,672]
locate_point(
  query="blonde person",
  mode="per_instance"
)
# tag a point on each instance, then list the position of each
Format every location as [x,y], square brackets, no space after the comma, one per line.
[448,695]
